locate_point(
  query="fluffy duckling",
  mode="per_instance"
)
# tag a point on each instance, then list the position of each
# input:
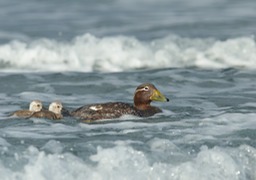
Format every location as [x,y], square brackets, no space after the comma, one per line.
[54,112]
[34,106]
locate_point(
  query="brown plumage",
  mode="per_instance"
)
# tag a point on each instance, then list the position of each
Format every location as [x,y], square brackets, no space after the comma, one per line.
[53,113]
[34,106]
[143,96]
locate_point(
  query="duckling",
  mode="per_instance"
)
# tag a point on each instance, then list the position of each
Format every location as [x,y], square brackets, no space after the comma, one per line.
[54,112]
[34,106]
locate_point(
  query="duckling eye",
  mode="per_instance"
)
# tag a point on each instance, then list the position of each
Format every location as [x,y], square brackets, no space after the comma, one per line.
[38,105]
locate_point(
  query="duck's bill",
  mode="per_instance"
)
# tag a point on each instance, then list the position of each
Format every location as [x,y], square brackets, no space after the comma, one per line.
[158,96]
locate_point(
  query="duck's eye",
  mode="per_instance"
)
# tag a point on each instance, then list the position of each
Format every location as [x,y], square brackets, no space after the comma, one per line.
[146,88]
[38,105]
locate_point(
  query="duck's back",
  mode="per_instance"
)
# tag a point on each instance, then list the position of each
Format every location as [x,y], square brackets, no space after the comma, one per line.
[104,111]
[44,114]
[22,113]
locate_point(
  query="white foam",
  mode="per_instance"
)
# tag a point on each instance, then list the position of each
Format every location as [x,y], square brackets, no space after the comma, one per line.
[88,53]
[124,162]
[53,146]
[3,142]
[209,164]
[162,145]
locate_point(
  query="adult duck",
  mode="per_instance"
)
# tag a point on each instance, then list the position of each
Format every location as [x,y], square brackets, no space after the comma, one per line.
[143,96]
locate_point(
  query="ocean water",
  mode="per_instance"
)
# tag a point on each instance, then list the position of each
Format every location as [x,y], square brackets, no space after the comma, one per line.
[200,54]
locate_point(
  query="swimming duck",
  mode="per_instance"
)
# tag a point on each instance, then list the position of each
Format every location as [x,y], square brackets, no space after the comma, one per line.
[34,106]
[143,96]
[54,112]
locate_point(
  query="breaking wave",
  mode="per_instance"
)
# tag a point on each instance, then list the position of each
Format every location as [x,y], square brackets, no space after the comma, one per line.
[88,53]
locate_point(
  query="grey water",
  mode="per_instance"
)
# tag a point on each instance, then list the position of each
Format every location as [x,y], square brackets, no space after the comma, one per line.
[207,128]
[199,54]
[64,20]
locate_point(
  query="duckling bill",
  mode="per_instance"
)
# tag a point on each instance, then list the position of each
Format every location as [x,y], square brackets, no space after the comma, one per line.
[143,96]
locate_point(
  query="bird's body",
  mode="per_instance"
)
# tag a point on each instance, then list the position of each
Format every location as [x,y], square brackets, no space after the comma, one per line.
[53,113]
[143,96]
[34,106]
[46,114]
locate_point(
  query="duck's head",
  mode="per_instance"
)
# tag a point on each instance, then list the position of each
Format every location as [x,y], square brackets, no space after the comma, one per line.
[56,107]
[35,106]
[145,93]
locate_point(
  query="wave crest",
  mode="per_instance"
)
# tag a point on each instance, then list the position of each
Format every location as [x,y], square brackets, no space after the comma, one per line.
[88,53]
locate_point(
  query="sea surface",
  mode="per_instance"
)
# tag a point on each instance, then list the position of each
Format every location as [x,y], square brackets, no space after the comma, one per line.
[199,54]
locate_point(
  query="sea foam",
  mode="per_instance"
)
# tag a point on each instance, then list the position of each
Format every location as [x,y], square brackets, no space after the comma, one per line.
[124,162]
[88,53]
